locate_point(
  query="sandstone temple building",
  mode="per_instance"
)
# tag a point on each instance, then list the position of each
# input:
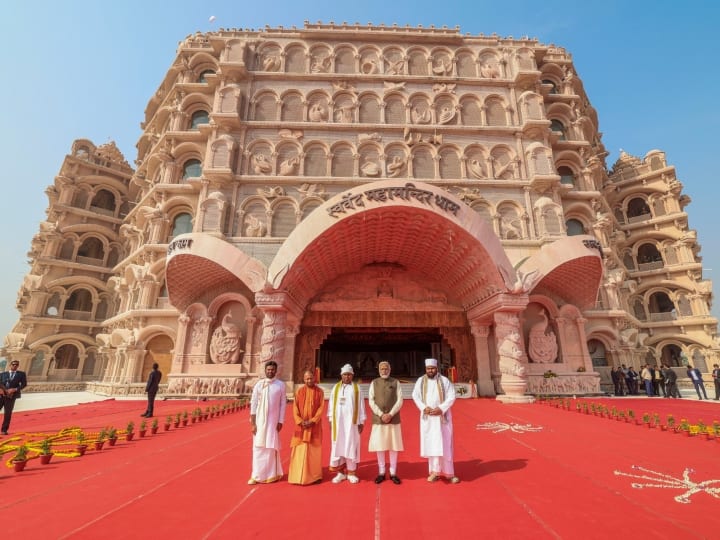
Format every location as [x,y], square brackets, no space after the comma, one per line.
[339,194]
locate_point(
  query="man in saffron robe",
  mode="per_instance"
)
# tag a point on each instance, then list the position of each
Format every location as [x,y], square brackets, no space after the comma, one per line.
[267,412]
[346,412]
[385,399]
[306,444]
[434,395]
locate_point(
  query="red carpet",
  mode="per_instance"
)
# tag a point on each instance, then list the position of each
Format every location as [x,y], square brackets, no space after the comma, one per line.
[541,472]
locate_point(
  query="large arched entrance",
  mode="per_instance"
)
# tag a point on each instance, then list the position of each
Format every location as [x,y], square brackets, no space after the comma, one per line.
[396,271]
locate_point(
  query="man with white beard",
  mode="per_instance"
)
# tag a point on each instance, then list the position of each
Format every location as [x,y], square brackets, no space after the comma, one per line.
[385,399]
[434,395]
[346,412]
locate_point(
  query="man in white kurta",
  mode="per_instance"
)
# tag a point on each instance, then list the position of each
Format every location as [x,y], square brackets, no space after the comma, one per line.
[385,399]
[434,395]
[267,412]
[346,412]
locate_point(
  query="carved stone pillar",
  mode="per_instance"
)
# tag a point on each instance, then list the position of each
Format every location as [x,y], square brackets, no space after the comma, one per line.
[179,364]
[81,365]
[280,327]
[512,359]
[485,384]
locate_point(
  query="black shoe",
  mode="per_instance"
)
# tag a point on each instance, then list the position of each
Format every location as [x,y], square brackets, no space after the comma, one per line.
[4,432]
[380,479]
[148,416]
[395,480]
[143,415]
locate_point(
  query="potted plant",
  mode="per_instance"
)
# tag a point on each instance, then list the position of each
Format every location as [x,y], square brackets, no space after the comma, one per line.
[176,421]
[81,445]
[100,441]
[684,427]
[21,458]
[46,452]
[130,431]
[112,436]
[185,418]
[716,429]
[168,421]
[702,429]
[656,420]
[630,415]
[207,413]
[143,428]
[670,421]
[154,426]
[646,419]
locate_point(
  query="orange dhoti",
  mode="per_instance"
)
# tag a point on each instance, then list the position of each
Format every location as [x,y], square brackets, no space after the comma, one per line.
[306,444]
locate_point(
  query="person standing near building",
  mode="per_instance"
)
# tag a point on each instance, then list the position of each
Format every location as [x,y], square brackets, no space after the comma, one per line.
[716,380]
[434,395]
[12,382]
[151,389]
[617,378]
[385,399]
[267,412]
[647,377]
[696,378]
[670,382]
[306,444]
[346,412]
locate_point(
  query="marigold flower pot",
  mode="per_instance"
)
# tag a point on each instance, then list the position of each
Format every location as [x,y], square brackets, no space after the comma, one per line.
[166,427]
[45,458]
[81,448]
[99,445]
[153,430]
[112,441]
[141,433]
[129,436]
[19,466]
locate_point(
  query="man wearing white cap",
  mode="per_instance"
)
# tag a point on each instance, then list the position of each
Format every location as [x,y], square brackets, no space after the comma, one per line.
[346,412]
[434,395]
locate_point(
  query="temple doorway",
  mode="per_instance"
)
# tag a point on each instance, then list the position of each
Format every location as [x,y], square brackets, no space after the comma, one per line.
[363,348]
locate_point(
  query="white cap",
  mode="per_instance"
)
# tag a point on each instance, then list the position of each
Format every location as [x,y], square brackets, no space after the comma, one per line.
[347,368]
[430,362]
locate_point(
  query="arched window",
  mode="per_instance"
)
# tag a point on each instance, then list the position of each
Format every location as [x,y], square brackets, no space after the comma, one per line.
[661,308]
[557,125]
[199,117]
[203,76]
[638,210]
[567,176]
[574,227]
[182,224]
[80,300]
[91,248]
[53,305]
[103,200]
[554,89]
[192,169]
[66,357]
[596,349]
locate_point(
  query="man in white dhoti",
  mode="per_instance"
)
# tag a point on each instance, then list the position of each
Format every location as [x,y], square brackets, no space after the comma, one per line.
[267,412]
[385,399]
[434,395]
[346,412]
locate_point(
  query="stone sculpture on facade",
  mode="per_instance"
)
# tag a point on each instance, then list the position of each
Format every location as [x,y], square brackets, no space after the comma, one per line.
[225,342]
[543,347]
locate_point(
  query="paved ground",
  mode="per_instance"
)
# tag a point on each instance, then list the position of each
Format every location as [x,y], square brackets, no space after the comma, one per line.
[45,400]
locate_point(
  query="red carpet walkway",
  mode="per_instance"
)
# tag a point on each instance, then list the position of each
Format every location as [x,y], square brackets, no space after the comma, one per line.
[540,472]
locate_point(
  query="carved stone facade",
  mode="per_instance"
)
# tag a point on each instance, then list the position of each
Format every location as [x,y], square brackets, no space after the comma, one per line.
[317,196]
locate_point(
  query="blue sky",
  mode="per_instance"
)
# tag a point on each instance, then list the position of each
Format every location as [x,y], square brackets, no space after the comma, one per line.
[87,69]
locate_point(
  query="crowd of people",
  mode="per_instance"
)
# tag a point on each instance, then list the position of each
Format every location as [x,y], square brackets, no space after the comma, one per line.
[433,394]
[660,381]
